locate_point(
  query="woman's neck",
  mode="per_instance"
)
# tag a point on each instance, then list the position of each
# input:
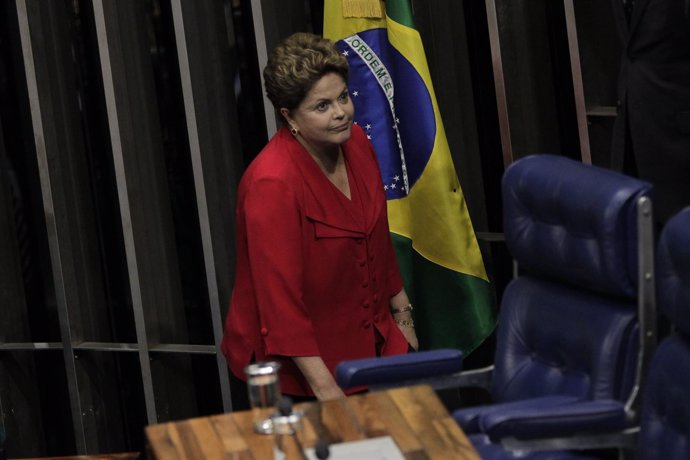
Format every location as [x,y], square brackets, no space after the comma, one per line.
[331,161]
[328,159]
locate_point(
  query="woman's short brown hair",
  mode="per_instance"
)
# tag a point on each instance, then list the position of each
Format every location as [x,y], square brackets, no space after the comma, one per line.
[296,64]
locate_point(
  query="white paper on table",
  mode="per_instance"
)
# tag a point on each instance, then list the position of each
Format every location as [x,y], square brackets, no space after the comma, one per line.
[381,448]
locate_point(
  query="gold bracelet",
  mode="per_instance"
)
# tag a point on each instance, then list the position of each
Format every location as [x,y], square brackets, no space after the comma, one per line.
[404,322]
[407,307]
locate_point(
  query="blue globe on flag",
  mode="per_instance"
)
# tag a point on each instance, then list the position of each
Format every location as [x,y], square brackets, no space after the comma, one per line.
[401,128]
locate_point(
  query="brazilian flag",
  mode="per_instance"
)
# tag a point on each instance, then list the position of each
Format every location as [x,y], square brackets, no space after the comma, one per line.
[395,104]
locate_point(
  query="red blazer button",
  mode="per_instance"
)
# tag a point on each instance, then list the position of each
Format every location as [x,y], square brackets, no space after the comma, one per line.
[264,331]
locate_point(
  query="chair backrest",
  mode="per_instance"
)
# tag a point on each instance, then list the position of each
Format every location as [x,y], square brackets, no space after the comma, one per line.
[665,425]
[570,323]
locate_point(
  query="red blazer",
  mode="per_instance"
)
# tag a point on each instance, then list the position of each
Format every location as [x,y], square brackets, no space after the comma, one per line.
[315,270]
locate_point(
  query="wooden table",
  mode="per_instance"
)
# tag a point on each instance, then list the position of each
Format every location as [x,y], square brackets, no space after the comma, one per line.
[413,416]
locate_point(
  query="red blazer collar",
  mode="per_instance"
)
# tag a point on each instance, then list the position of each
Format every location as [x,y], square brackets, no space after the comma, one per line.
[324,203]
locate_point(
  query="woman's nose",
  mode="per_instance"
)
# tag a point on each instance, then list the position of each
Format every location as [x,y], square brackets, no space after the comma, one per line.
[338,112]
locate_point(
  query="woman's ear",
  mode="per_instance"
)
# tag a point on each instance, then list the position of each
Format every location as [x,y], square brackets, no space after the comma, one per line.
[286,116]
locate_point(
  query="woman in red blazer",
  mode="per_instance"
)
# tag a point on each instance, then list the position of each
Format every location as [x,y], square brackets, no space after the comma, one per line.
[317,279]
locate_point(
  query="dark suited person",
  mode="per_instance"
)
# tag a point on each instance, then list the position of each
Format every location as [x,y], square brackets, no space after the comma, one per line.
[651,136]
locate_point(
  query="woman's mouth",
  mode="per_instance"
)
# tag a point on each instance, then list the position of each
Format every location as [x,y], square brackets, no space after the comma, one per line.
[341,128]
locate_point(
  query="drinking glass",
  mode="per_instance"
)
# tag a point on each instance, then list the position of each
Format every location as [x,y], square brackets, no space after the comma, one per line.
[263,385]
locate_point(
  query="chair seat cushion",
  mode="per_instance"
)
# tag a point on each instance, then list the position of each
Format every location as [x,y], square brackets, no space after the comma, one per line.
[538,421]
[469,418]
[554,339]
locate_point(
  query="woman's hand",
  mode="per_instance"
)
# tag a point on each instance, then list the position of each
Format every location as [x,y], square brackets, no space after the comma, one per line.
[410,335]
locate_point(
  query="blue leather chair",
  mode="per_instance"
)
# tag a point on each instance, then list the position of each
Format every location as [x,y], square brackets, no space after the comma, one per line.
[665,428]
[576,325]
[665,421]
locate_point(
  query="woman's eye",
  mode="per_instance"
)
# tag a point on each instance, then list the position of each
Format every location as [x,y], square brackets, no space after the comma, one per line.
[321,106]
[344,97]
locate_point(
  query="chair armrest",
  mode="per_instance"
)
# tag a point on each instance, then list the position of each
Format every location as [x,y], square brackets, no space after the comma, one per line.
[526,422]
[473,378]
[399,370]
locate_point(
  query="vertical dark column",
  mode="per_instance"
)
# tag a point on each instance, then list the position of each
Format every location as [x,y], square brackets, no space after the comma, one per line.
[578,88]
[50,140]
[13,321]
[70,221]
[207,77]
[538,79]
[499,82]
[263,48]
[274,20]
[18,388]
[148,231]
[599,49]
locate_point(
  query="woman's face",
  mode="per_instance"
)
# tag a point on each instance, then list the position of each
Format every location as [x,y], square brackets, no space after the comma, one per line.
[324,118]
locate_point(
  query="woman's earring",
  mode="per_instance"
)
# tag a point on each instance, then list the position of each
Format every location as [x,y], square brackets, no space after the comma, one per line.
[294,131]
